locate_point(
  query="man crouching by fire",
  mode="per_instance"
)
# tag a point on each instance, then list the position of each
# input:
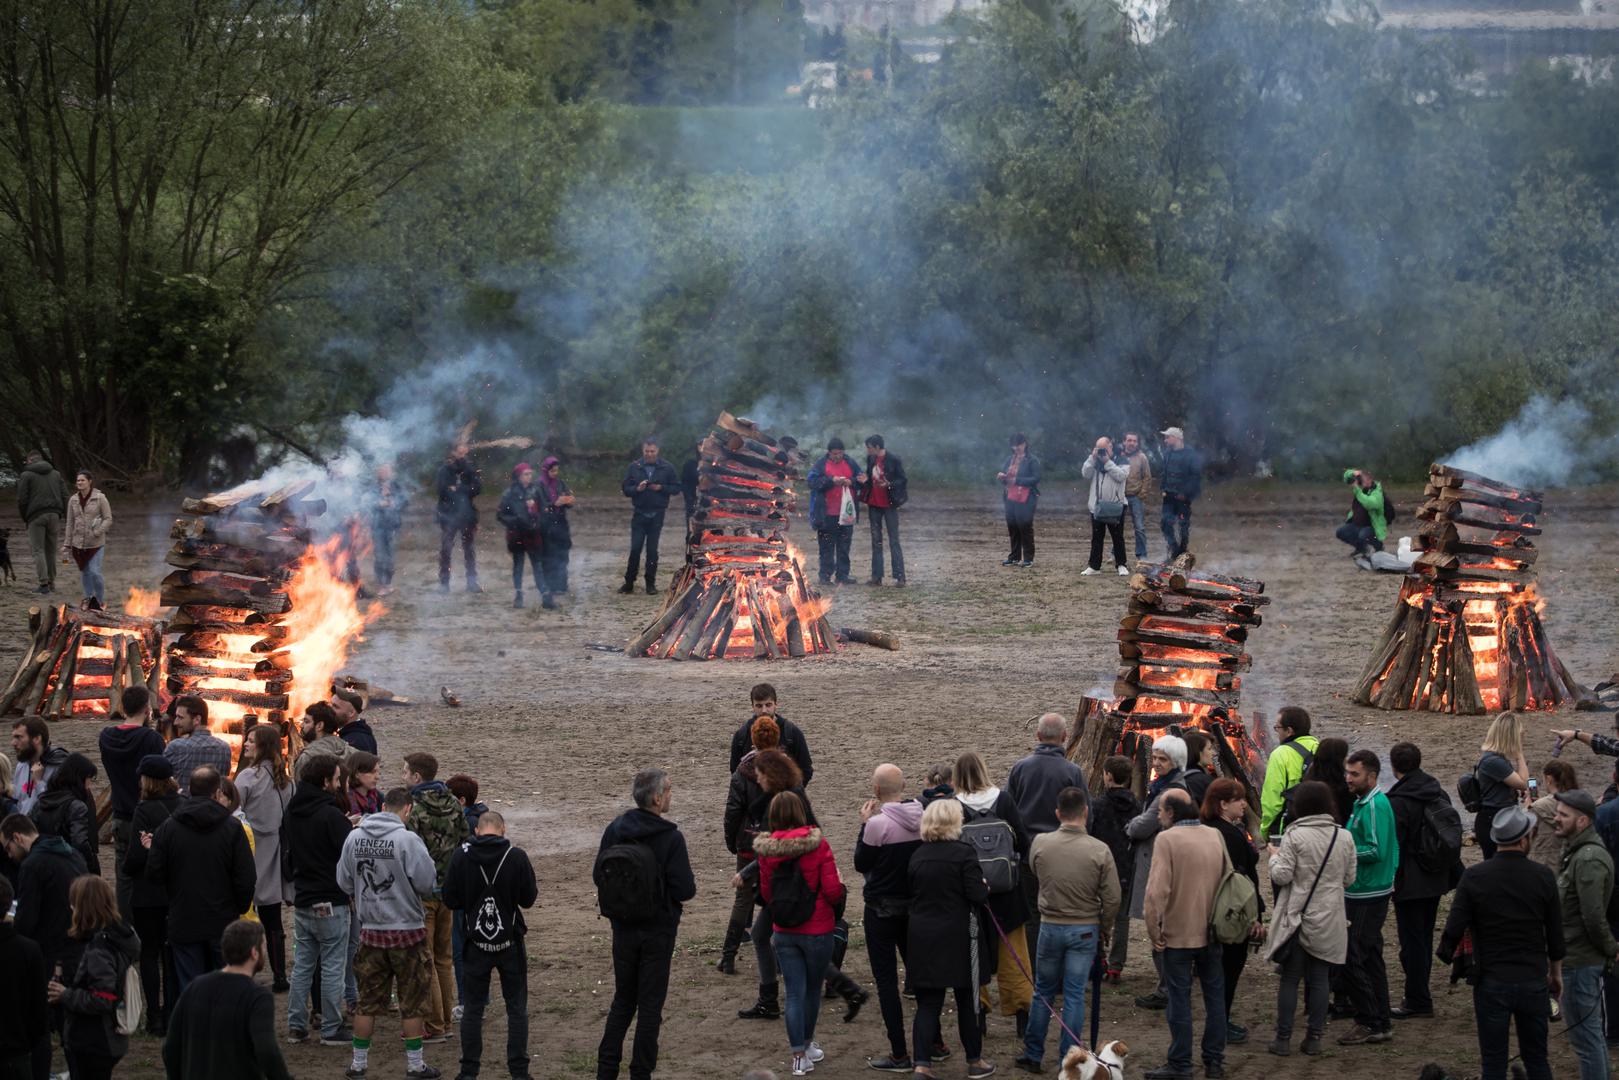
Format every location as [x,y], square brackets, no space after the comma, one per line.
[1370,513]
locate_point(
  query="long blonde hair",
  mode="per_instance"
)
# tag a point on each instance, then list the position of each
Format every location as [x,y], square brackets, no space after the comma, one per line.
[1505,737]
[5,776]
[971,773]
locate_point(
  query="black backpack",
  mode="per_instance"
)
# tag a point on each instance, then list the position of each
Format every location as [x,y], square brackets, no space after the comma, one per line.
[1306,756]
[1471,793]
[629,884]
[489,927]
[792,901]
[1439,836]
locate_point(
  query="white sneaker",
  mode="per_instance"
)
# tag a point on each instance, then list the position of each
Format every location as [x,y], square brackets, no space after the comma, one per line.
[457,1012]
[815,1053]
[802,1065]
[1124,571]
[1088,572]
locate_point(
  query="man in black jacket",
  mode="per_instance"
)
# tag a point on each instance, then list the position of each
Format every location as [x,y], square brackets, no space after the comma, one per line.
[1512,907]
[648,484]
[122,748]
[1034,784]
[313,830]
[643,948]
[489,883]
[201,858]
[1111,812]
[763,698]
[355,730]
[1417,888]
[24,1019]
[885,490]
[224,1024]
[458,483]
[889,835]
[1182,483]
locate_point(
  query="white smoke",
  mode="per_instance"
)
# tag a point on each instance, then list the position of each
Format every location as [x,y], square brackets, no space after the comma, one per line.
[1548,444]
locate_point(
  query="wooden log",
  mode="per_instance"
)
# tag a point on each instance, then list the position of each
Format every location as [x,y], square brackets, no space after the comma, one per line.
[879,638]
[213,504]
[1426,660]
[1448,473]
[736,444]
[1466,696]
[1134,674]
[35,618]
[1445,493]
[1455,513]
[776,520]
[739,425]
[60,699]
[721,453]
[1135,650]
[1377,667]
[726,487]
[731,471]
[249,567]
[1197,629]
[1232,765]
[1395,689]
[42,628]
[93,693]
[243,535]
[120,679]
[764,622]
[1190,694]
[256,624]
[246,698]
[1143,775]
[178,589]
[705,647]
[1148,602]
[1199,642]
[705,608]
[640,643]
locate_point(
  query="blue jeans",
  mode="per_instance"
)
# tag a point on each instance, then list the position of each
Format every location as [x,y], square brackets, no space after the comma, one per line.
[91,580]
[885,518]
[1583,1013]
[1209,966]
[1176,523]
[1062,965]
[833,542]
[323,941]
[1496,1005]
[1359,536]
[193,960]
[1138,523]
[803,959]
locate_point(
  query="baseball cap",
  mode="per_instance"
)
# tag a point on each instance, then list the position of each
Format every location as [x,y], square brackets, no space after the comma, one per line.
[1175,431]
[1578,801]
[1510,825]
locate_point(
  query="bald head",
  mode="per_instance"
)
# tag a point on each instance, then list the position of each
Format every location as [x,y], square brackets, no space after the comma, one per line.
[1051,728]
[1176,805]
[490,823]
[887,782]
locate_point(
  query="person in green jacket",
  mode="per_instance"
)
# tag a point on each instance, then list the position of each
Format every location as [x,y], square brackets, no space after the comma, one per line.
[1367,524]
[1377,856]
[1284,768]
[42,503]
[1584,886]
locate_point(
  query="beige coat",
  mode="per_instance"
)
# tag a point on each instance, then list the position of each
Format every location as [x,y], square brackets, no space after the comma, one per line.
[1140,477]
[1325,933]
[1546,849]
[1188,861]
[87,526]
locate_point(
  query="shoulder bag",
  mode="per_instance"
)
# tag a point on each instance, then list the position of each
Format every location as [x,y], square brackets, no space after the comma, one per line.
[1288,949]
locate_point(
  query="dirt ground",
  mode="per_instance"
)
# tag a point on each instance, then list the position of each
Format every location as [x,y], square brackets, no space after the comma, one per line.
[554,731]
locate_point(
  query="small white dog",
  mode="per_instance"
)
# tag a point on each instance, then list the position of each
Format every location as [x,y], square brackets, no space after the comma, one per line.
[1104,1064]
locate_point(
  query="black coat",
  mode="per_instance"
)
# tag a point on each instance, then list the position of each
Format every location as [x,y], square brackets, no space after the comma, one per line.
[91,1000]
[792,744]
[149,815]
[668,844]
[523,526]
[1035,782]
[458,483]
[555,531]
[899,485]
[649,503]
[24,1016]
[312,833]
[1409,797]
[63,813]
[201,858]
[1111,811]
[42,909]
[358,734]
[747,805]
[688,485]
[947,898]
[511,886]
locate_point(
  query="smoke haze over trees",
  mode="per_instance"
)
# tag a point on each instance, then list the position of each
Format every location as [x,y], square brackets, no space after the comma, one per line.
[1309,242]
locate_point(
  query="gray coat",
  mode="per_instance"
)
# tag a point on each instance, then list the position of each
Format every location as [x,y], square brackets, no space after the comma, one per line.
[1106,484]
[264,806]
[1142,831]
[1325,926]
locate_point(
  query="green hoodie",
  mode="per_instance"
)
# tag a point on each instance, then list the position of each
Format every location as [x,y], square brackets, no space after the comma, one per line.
[1584,885]
[40,491]
[1377,851]
[1372,502]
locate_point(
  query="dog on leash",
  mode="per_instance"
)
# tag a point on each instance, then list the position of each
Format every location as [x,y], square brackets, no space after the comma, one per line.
[8,575]
[1104,1064]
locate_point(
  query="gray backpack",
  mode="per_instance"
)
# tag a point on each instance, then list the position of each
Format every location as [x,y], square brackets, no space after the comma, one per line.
[995,844]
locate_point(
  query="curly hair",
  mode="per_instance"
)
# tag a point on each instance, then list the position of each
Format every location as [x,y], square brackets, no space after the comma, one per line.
[765,733]
[777,771]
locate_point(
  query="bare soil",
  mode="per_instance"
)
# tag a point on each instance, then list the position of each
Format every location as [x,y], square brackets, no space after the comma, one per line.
[554,731]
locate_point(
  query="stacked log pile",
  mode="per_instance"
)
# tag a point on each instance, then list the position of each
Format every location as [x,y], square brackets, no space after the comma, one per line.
[742,593]
[1466,635]
[1183,647]
[78,663]
[234,561]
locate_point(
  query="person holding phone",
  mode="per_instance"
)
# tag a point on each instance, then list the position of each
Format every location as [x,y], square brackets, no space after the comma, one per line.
[1105,501]
[834,508]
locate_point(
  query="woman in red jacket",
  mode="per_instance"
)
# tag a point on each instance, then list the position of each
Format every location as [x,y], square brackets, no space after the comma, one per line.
[798,879]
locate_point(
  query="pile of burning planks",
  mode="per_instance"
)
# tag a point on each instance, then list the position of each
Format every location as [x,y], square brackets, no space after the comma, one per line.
[234,562]
[1466,634]
[742,593]
[78,663]
[1183,646]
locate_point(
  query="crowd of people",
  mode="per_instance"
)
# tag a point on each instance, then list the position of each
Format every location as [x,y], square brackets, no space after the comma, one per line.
[406,899]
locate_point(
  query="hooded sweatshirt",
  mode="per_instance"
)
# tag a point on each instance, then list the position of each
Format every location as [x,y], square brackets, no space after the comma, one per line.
[637,826]
[1409,799]
[202,859]
[883,851]
[313,831]
[122,747]
[40,491]
[437,817]
[25,789]
[91,999]
[42,883]
[489,884]
[387,869]
[63,813]
[358,734]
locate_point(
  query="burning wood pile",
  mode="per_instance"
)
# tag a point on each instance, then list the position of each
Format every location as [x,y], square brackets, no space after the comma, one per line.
[1466,634]
[262,617]
[742,593]
[78,663]
[1183,646]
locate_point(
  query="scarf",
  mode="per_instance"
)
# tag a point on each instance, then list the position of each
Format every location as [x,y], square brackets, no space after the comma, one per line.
[551,484]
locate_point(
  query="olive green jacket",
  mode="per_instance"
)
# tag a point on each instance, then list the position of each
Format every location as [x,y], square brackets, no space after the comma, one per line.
[1585,883]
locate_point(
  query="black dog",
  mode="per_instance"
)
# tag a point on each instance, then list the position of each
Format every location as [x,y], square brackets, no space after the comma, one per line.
[7,574]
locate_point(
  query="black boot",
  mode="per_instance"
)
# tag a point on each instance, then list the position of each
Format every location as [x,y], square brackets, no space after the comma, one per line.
[517,601]
[1022,1022]
[983,1022]
[651,583]
[547,602]
[765,1008]
[628,586]
[733,941]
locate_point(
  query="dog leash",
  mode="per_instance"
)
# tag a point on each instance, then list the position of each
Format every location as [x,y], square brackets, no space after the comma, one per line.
[1018,960]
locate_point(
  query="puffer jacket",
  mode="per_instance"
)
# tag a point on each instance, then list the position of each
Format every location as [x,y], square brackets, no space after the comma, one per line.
[815,862]
[89,523]
[1105,480]
[90,1002]
[1324,928]
[1584,886]
[40,491]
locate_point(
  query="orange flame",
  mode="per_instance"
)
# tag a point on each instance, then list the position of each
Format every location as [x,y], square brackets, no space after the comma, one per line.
[142,602]
[324,623]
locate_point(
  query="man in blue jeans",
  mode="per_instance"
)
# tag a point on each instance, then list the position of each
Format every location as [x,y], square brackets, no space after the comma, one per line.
[314,829]
[1182,484]
[1133,458]
[1510,906]
[1079,894]
[1583,887]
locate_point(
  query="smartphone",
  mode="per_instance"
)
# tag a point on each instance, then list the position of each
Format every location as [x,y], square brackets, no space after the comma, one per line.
[1534,786]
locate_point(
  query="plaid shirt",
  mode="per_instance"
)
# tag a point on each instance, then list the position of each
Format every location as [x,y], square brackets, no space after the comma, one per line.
[1604,744]
[393,939]
[194,751]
